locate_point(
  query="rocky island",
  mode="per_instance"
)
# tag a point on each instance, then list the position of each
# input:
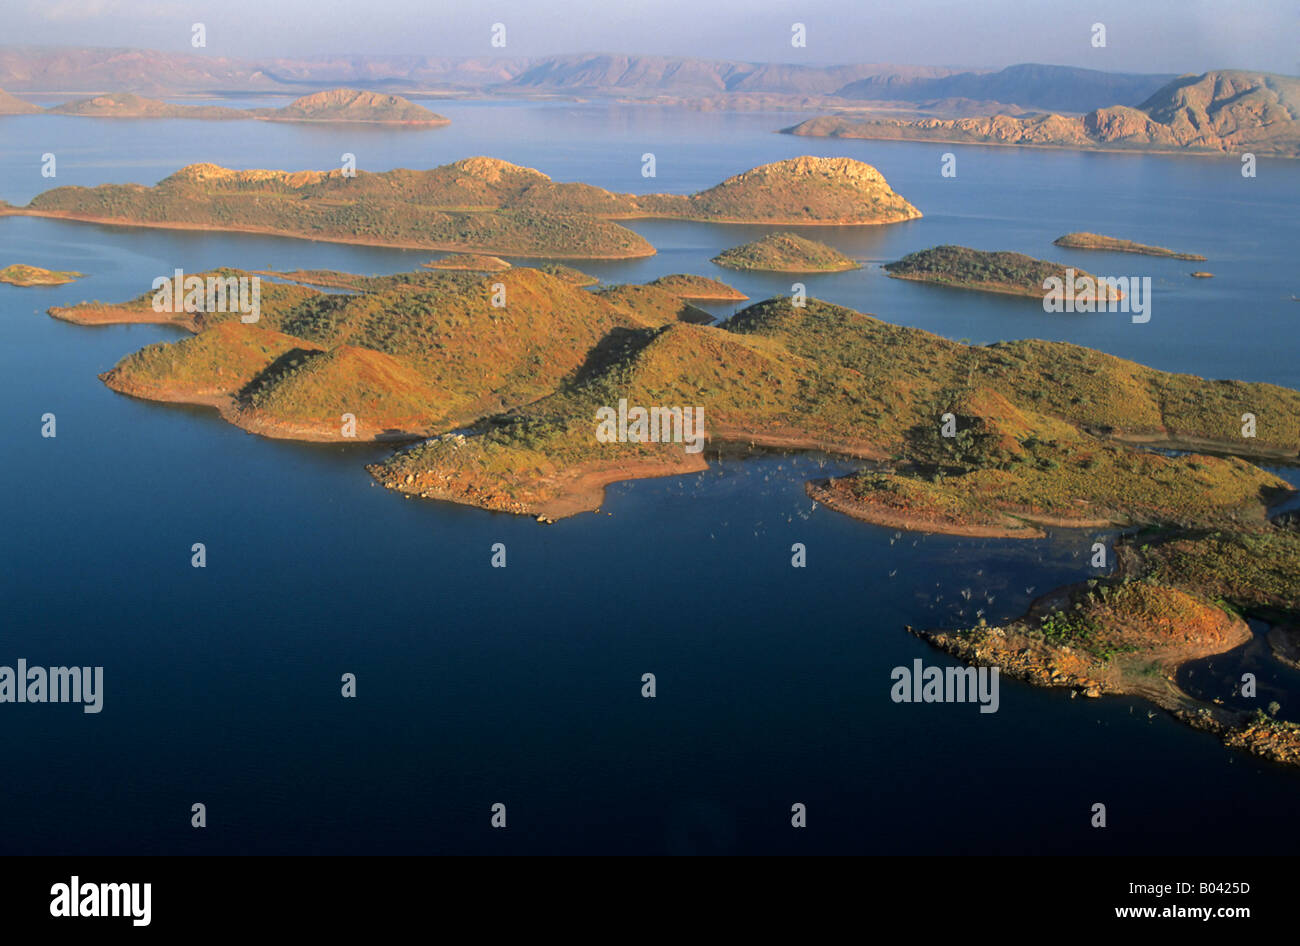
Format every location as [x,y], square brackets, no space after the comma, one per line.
[785,253]
[20,274]
[477,205]
[1095,241]
[352,105]
[334,105]
[960,267]
[1178,596]
[1225,111]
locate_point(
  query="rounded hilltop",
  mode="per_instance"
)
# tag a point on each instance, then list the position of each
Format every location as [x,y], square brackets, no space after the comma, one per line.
[12,105]
[785,253]
[808,190]
[494,170]
[804,191]
[355,105]
[208,173]
[476,205]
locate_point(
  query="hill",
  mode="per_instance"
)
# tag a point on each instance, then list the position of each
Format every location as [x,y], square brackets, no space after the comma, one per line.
[1043,431]
[335,105]
[475,262]
[692,81]
[799,191]
[570,275]
[406,358]
[785,253]
[1224,111]
[129,105]
[12,105]
[478,205]
[828,378]
[353,105]
[960,267]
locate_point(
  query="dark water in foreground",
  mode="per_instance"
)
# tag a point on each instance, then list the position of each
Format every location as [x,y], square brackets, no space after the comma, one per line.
[522,686]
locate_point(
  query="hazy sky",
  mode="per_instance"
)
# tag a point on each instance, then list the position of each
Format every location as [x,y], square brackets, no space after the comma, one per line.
[1142,35]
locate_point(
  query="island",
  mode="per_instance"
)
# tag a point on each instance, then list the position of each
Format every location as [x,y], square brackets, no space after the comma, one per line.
[476,205]
[130,105]
[333,105]
[654,304]
[20,274]
[499,408]
[1095,241]
[1175,596]
[1224,111]
[785,253]
[960,267]
[353,105]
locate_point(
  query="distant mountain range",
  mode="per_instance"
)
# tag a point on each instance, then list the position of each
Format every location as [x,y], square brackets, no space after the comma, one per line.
[1059,88]
[720,82]
[1221,111]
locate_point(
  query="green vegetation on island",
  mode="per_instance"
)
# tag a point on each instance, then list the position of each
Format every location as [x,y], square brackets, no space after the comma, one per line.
[478,205]
[1095,241]
[785,253]
[574,277]
[1176,595]
[960,267]
[20,274]
[333,105]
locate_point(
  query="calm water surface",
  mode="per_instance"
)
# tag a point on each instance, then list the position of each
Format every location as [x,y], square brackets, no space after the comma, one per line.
[478,685]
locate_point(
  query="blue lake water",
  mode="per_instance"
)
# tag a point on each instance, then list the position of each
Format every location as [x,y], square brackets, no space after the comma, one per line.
[479,685]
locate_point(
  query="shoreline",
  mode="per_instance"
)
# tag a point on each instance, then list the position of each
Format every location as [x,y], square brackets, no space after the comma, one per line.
[1033,526]
[266,231]
[227,409]
[1096,149]
[793,272]
[1025,654]
[1127,246]
[1009,290]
